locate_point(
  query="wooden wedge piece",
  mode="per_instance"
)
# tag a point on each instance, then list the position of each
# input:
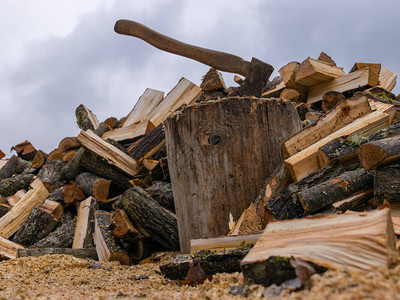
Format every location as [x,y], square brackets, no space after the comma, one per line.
[340,116]
[25,150]
[9,249]
[312,71]
[148,145]
[354,80]
[357,241]
[17,215]
[184,93]
[361,66]
[129,133]
[85,118]
[387,79]
[306,162]
[111,154]
[144,107]
[84,229]
[212,81]
[39,160]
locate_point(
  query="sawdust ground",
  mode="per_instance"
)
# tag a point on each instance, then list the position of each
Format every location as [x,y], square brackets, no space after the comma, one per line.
[62,276]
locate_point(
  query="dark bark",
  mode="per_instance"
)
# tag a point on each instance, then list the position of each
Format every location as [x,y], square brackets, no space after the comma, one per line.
[387,183]
[93,185]
[4,208]
[37,226]
[286,205]
[161,172]
[221,262]
[148,143]
[162,193]
[50,173]
[146,213]
[87,241]
[10,186]
[13,166]
[62,237]
[335,189]
[82,118]
[86,253]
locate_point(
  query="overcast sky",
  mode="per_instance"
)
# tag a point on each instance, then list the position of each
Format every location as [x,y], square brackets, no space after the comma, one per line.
[55,55]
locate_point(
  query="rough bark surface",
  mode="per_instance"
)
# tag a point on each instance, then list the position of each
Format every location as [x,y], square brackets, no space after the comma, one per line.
[62,237]
[219,154]
[162,193]
[93,185]
[10,186]
[387,183]
[150,144]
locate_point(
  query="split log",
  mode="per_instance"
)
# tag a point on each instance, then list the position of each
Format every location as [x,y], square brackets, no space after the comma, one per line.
[288,74]
[313,115]
[69,155]
[107,246]
[223,243]
[9,249]
[162,193]
[93,185]
[212,81]
[330,99]
[239,80]
[353,202]
[328,192]
[345,148]
[55,155]
[62,237]
[53,208]
[302,109]
[150,164]
[10,186]
[275,91]
[326,58]
[87,253]
[85,118]
[357,241]
[361,66]
[111,154]
[39,160]
[387,183]
[73,168]
[356,80]
[387,79]
[143,108]
[17,215]
[184,93]
[210,135]
[148,145]
[211,263]
[36,226]
[146,214]
[25,150]
[305,162]
[83,237]
[343,114]
[68,143]
[286,205]
[50,173]
[13,199]
[312,71]
[129,133]
[290,95]
[248,223]
[68,194]
[111,122]
[380,152]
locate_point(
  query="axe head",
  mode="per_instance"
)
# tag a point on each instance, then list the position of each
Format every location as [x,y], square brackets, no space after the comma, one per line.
[255,80]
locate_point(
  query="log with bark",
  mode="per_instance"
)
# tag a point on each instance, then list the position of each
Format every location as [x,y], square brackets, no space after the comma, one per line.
[83,237]
[355,80]
[68,143]
[10,186]
[148,145]
[108,247]
[326,193]
[36,226]
[17,215]
[93,185]
[86,253]
[13,166]
[357,241]
[146,214]
[387,183]
[50,173]
[380,152]
[330,99]
[286,205]
[202,138]
[39,160]
[354,202]
[162,193]
[85,118]
[25,150]
[9,249]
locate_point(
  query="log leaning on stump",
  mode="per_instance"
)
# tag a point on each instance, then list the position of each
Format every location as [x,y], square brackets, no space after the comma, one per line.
[219,154]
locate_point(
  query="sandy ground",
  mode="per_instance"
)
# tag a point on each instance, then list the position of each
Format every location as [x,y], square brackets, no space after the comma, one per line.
[66,277]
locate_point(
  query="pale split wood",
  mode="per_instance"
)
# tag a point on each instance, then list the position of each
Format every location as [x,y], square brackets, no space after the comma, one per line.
[147,102]
[354,80]
[306,162]
[288,72]
[2,163]
[129,132]
[387,79]
[113,155]
[223,243]
[82,222]
[16,216]
[92,117]
[184,93]
[9,249]
[313,71]
[248,223]
[390,109]
[361,66]
[343,114]
[361,241]
[279,88]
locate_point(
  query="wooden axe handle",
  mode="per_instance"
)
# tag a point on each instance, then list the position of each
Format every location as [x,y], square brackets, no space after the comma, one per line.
[216,59]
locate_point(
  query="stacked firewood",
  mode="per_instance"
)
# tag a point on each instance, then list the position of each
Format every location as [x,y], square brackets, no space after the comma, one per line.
[104,194]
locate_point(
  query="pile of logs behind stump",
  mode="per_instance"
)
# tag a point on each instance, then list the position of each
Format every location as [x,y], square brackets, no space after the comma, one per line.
[322,146]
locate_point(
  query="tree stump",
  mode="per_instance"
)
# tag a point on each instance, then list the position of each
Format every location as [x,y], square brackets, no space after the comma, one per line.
[219,154]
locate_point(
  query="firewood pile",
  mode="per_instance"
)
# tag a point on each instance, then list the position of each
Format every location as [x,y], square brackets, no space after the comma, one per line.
[329,178]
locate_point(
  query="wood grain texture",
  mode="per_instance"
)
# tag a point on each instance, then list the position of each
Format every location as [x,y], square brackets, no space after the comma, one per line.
[219,154]
[312,71]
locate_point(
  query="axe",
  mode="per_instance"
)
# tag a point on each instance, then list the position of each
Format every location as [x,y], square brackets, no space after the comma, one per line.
[256,72]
